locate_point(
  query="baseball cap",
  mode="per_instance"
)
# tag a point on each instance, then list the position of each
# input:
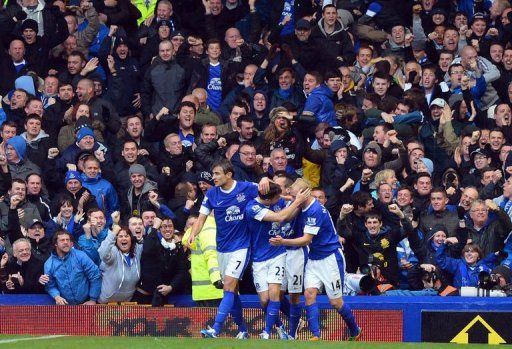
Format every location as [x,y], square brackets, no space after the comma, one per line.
[479,151]
[34,222]
[303,24]
[438,102]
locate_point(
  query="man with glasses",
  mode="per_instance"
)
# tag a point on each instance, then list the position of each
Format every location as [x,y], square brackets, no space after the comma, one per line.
[244,163]
[487,230]
[23,273]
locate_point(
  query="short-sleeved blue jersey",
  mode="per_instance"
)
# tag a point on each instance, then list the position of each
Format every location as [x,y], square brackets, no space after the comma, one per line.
[262,231]
[316,220]
[229,208]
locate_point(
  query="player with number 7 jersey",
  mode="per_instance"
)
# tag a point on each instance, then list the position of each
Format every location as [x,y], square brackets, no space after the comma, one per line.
[228,200]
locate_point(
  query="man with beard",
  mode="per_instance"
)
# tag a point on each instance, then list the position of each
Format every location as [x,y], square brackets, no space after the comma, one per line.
[73,276]
[54,115]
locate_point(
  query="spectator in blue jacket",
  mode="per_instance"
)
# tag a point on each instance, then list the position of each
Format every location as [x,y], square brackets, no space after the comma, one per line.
[106,195]
[319,101]
[94,232]
[466,269]
[73,278]
[85,141]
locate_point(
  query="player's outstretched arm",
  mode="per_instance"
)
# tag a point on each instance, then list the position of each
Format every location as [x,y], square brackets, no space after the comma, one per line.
[289,212]
[304,240]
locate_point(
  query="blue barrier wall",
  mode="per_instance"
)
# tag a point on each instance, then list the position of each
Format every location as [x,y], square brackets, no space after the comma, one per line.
[410,306]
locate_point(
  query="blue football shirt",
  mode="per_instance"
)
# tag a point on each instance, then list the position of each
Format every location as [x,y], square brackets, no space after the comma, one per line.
[316,220]
[261,231]
[229,208]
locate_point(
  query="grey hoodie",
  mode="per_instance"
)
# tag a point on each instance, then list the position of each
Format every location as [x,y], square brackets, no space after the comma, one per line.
[37,15]
[119,279]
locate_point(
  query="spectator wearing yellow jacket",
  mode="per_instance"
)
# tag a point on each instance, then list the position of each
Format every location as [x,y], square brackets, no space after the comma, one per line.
[206,280]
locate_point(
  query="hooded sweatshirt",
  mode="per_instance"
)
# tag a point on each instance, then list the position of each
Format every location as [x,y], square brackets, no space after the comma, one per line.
[121,272]
[37,15]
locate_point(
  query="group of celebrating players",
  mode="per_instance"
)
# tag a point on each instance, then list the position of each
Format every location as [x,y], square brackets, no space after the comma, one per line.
[293,245]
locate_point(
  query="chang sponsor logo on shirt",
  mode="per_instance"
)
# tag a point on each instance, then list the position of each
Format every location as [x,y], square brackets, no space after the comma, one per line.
[215,85]
[233,213]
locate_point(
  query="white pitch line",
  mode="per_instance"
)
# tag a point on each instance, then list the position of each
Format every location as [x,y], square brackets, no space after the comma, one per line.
[14,340]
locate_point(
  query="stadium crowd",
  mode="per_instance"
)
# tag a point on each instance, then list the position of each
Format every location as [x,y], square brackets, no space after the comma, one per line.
[396,112]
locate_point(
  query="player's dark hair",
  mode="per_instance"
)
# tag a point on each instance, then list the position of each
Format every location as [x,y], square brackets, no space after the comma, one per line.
[225,165]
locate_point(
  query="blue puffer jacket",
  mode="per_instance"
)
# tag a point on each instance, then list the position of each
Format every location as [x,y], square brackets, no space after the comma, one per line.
[71,153]
[106,195]
[319,102]
[74,277]
[463,274]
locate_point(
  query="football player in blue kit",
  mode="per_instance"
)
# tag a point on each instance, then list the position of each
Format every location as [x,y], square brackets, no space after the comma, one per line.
[296,258]
[228,200]
[266,217]
[326,265]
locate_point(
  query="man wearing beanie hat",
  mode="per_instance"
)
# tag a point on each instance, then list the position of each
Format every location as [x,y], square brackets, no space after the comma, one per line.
[85,137]
[19,166]
[372,155]
[85,141]
[80,196]
[504,273]
[127,70]
[205,181]
[138,196]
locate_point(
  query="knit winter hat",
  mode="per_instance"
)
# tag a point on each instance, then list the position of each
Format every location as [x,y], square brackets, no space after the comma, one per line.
[374,147]
[20,146]
[137,169]
[429,164]
[83,132]
[206,176]
[72,175]
[30,24]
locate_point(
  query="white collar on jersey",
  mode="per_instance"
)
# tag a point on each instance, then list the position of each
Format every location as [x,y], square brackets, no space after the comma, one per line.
[230,189]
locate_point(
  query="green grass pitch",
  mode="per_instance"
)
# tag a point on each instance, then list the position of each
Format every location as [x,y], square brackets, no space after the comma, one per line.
[69,342]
